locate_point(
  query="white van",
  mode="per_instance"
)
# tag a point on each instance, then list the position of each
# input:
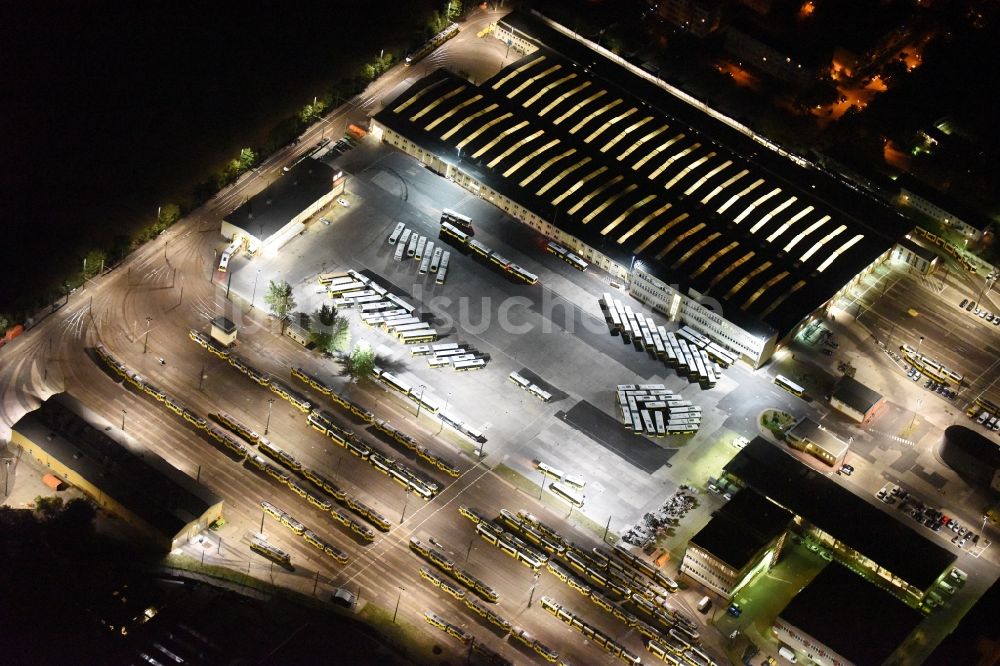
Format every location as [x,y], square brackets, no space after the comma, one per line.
[787,653]
[704,604]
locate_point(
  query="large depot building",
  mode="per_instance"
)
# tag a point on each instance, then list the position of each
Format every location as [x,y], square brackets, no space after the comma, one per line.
[583,151]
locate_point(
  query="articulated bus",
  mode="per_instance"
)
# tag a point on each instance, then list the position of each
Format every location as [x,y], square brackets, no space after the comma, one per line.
[455,233]
[462,222]
[522,274]
[396,233]
[432,44]
[567,493]
[789,385]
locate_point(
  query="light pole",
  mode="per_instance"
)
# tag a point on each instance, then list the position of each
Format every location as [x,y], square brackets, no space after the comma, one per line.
[920,401]
[406,500]
[123,419]
[6,479]
[145,344]
[267,424]
[398,597]
[441,427]
[420,400]
[534,582]
[919,342]
[987,286]
[253,296]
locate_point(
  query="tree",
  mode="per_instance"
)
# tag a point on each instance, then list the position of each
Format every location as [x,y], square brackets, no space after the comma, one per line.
[340,334]
[280,299]
[168,215]
[453,9]
[4,323]
[49,507]
[93,263]
[321,339]
[247,159]
[362,361]
[326,315]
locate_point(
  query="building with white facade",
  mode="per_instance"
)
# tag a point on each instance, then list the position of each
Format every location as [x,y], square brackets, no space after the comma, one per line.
[589,154]
[277,214]
[915,253]
[812,438]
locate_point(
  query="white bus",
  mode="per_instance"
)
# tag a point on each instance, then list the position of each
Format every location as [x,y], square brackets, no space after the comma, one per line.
[789,385]
[421,244]
[442,275]
[394,236]
[407,328]
[425,262]
[458,358]
[567,493]
[456,234]
[549,470]
[446,346]
[417,337]
[438,362]
[411,249]
[474,364]
[436,260]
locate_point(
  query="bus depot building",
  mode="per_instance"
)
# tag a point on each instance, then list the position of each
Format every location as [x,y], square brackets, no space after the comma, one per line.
[133,483]
[274,216]
[580,150]
[743,538]
[858,534]
[840,619]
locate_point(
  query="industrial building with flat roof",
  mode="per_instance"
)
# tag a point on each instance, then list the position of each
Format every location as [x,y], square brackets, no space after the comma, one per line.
[582,152]
[274,216]
[812,438]
[856,531]
[133,483]
[839,619]
[856,400]
[743,537]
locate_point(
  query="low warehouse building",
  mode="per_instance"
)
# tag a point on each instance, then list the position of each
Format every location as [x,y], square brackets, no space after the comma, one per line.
[134,484]
[856,400]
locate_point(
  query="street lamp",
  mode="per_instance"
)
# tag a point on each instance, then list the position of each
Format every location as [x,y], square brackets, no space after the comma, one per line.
[145,344]
[123,419]
[406,500]
[441,427]
[267,424]
[398,597]
[420,399]
[254,295]
[531,597]
[919,342]
[920,401]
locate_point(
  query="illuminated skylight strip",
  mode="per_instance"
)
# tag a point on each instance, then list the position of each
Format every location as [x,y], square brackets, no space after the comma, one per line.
[561,175]
[836,253]
[593,193]
[767,285]
[515,72]
[455,109]
[767,217]
[731,267]
[673,159]
[710,195]
[761,199]
[521,162]
[496,160]
[694,165]
[516,91]
[672,244]
[701,181]
[472,137]
[621,135]
[498,138]
[434,104]
[774,305]
[628,211]
[787,225]
[534,98]
[711,260]
[651,155]
[578,184]
[600,209]
[548,107]
[552,160]
[420,94]
[642,141]
[746,278]
[697,246]
[823,241]
[733,199]
[465,121]
[812,227]
[609,124]
[593,115]
[577,106]
[664,229]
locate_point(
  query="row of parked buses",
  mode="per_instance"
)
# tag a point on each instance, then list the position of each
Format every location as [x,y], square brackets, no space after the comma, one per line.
[461,239]
[295,467]
[298,528]
[601,571]
[442,562]
[948,247]
[424,488]
[432,405]
[591,632]
[567,256]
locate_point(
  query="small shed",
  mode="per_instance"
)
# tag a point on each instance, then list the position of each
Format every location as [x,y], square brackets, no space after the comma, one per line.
[223,331]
